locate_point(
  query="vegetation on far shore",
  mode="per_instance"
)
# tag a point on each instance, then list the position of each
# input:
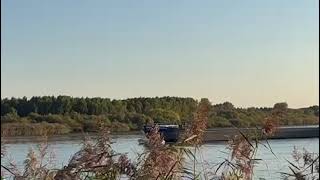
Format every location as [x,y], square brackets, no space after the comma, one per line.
[65,114]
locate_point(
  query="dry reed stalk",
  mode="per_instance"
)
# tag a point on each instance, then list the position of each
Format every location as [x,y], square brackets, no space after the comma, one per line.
[194,134]
[97,160]
[270,126]
[161,161]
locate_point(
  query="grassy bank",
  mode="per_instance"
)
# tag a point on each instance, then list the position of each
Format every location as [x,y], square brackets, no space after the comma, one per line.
[59,124]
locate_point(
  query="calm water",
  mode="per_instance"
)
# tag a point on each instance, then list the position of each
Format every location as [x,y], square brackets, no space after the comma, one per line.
[210,154]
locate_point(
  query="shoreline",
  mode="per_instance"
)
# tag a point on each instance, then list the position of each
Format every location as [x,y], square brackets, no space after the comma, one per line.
[63,137]
[210,135]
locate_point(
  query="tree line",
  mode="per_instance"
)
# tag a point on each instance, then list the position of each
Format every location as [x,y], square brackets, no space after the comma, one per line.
[74,114]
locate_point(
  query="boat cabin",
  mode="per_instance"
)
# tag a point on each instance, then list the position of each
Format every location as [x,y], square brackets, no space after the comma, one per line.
[169,132]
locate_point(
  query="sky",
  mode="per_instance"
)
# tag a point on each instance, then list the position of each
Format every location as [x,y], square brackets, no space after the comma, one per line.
[249,52]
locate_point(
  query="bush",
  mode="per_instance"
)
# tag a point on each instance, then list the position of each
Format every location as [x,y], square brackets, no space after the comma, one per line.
[138,120]
[10,118]
[33,129]
[119,127]
[164,116]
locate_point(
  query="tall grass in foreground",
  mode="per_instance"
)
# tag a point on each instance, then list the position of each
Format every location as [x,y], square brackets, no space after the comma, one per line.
[97,160]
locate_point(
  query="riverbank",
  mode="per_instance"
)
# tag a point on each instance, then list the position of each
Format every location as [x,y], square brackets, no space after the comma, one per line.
[66,137]
[210,135]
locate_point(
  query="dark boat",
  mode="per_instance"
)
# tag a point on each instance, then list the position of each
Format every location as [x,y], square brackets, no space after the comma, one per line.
[284,132]
[170,133]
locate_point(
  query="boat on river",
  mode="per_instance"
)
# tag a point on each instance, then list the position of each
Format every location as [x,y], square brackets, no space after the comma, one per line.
[282,132]
[171,133]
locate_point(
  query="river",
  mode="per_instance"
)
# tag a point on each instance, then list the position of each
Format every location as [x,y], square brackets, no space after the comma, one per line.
[64,147]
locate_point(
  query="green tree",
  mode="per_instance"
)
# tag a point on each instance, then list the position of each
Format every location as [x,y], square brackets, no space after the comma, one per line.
[164,116]
[283,106]
[280,111]
[80,106]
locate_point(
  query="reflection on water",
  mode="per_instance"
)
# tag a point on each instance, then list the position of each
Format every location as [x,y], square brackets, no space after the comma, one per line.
[210,154]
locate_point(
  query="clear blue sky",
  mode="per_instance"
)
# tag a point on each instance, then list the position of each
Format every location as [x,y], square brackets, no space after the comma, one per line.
[251,53]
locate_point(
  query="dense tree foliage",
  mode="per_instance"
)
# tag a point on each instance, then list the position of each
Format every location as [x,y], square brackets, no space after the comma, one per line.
[85,114]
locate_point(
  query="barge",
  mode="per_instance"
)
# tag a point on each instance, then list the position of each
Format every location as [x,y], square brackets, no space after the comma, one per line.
[283,132]
[171,133]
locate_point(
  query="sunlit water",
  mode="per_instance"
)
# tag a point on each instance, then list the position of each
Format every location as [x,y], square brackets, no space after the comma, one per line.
[208,156]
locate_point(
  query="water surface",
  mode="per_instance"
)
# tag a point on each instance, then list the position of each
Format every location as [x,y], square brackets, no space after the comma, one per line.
[210,154]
